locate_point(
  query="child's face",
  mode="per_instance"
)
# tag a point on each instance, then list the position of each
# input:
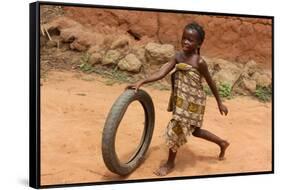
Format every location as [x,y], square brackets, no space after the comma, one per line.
[190,40]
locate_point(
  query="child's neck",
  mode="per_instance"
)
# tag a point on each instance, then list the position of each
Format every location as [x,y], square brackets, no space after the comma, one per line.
[189,54]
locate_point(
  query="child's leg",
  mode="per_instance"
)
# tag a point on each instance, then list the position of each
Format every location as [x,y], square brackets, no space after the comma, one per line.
[202,133]
[168,166]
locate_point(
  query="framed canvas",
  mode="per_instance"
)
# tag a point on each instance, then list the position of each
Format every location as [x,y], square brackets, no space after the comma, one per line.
[121,94]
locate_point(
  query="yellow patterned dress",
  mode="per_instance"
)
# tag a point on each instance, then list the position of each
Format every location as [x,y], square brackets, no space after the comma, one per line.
[187,103]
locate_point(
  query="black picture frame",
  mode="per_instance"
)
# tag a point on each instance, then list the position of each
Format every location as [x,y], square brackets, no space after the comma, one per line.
[34,93]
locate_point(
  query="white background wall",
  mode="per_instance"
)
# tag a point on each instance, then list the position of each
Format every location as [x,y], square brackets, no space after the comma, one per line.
[14,73]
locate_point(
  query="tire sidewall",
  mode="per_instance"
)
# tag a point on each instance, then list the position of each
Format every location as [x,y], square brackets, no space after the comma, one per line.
[111,127]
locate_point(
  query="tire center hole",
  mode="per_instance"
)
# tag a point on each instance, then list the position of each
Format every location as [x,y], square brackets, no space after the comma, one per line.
[130,132]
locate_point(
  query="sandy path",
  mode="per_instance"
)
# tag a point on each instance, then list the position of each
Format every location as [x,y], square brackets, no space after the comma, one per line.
[73,110]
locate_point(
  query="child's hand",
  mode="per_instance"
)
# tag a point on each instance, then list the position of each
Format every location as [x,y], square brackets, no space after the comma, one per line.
[223,109]
[136,86]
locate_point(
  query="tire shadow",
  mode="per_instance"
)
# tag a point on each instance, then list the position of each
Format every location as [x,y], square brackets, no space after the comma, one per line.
[188,159]
[185,159]
[109,176]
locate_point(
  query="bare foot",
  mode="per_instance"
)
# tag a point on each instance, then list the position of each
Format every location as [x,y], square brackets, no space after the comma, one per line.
[164,169]
[223,147]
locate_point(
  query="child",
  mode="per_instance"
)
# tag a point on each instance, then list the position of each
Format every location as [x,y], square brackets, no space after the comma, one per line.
[188,100]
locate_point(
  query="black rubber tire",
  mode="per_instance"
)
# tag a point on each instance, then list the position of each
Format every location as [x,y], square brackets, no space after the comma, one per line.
[112,123]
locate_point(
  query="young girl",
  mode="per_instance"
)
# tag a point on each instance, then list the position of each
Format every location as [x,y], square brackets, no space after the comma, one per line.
[188,100]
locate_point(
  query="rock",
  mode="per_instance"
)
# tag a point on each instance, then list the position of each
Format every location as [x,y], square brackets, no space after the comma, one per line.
[251,64]
[255,35]
[249,85]
[120,42]
[95,49]
[250,67]
[130,63]
[224,77]
[140,53]
[226,72]
[108,40]
[111,57]
[68,35]
[124,51]
[61,23]
[76,60]
[244,86]
[82,35]
[75,45]
[95,58]
[262,79]
[240,91]
[51,44]
[159,54]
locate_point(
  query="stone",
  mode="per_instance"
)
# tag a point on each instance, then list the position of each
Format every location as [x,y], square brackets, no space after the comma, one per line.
[68,35]
[95,58]
[111,57]
[51,44]
[249,85]
[75,45]
[95,49]
[250,67]
[108,40]
[262,79]
[159,53]
[255,35]
[120,42]
[140,53]
[225,71]
[130,63]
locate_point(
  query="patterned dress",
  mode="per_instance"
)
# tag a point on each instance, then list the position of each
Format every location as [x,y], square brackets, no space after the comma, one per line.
[187,103]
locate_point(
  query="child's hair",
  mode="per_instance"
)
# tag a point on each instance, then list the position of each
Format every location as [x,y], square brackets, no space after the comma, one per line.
[200,31]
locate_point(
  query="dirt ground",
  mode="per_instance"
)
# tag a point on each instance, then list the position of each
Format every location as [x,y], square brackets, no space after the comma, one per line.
[74,107]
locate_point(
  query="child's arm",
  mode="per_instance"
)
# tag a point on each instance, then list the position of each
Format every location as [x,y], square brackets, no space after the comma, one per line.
[164,70]
[203,69]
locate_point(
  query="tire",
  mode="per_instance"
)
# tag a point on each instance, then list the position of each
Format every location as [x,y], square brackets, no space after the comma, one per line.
[112,123]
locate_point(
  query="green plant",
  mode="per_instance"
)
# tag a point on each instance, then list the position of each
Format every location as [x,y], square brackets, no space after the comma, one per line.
[120,76]
[111,73]
[87,68]
[85,58]
[263,93]
[84,63]
[225,90]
